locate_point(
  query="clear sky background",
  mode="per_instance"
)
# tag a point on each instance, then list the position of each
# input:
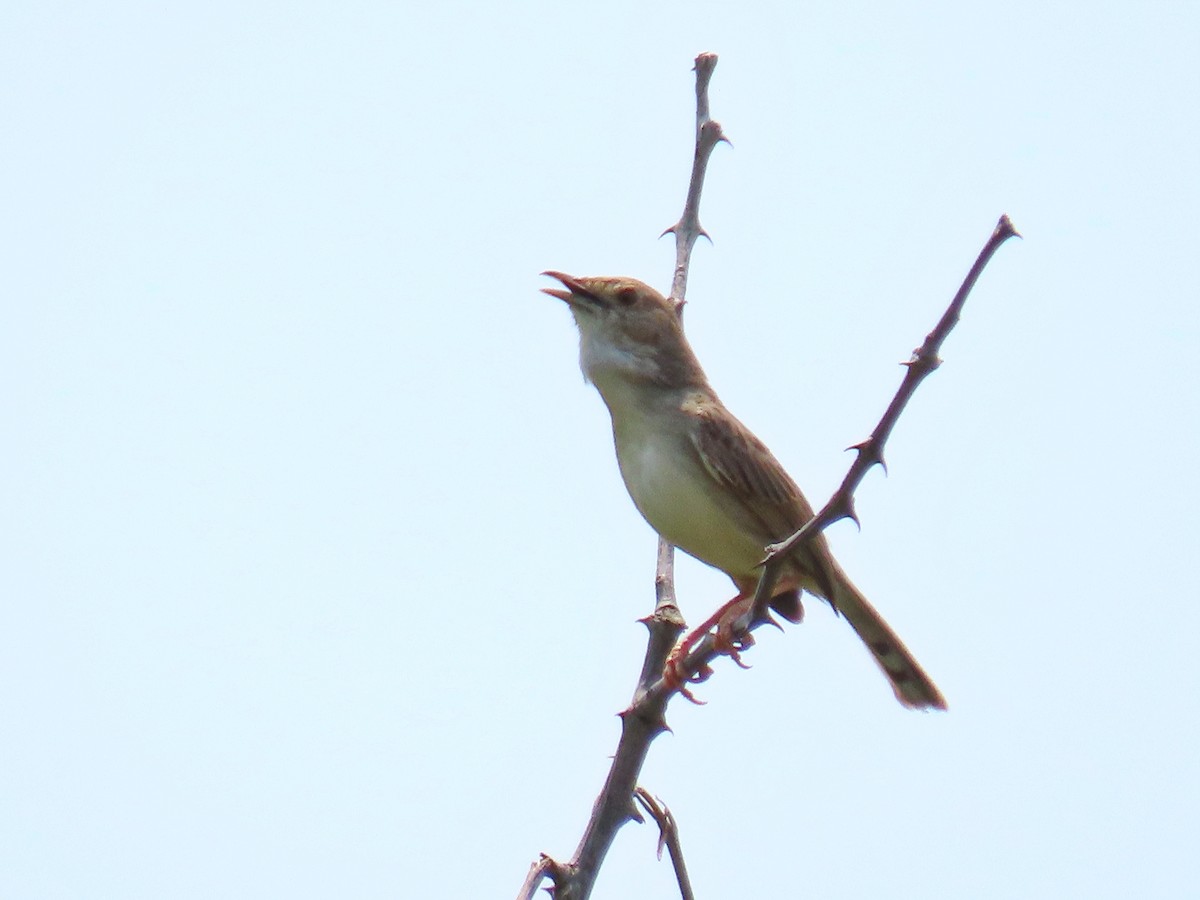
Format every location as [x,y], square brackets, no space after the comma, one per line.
[318,578]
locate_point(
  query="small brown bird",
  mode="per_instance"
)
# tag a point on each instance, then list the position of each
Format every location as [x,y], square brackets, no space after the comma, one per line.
[700,477]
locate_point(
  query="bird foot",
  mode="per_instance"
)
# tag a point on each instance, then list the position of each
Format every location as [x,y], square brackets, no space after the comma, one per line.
[726,641]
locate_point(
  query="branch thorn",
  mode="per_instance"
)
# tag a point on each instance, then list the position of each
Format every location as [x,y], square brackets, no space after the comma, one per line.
[851,513]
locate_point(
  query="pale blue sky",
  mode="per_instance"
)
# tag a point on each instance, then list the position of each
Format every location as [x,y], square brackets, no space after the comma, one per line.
[318,576]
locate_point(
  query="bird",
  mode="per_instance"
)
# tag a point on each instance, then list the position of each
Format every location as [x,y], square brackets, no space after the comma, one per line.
[702,479]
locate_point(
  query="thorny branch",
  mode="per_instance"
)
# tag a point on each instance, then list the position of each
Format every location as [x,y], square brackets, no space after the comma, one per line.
[870,452]
[668,836]
[708,134]
[687,231]
[645,719]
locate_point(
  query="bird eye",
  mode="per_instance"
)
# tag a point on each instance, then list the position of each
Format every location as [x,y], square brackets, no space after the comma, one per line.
[627,296]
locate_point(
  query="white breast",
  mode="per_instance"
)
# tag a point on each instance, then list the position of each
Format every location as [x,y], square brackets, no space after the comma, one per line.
[677,496]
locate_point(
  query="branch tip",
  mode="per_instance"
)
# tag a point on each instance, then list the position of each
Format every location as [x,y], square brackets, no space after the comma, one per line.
[668,837]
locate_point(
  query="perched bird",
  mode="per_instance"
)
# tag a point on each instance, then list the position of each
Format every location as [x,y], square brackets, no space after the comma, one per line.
[700,477]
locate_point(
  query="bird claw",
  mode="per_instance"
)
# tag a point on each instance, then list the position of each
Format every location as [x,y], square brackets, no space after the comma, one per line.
[677,680]
[733,647]
[725,642]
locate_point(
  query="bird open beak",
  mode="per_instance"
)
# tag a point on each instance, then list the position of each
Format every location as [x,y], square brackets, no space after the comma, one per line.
[575,288]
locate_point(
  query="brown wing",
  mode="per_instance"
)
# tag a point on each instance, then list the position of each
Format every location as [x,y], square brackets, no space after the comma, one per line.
[760,492]
[762,496]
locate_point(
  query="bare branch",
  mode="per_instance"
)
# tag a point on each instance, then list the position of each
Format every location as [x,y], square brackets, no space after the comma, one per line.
[687,230]
[924,360]
[668,836]
[542,869]
[841,505]
[645,718]
[708,135]
[640,725]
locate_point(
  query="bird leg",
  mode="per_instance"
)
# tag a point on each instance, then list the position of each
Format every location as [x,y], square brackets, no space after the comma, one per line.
[726,641]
